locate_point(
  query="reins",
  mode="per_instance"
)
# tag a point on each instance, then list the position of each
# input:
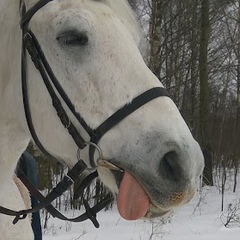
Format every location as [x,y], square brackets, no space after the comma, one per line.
[31,47]
[45,202]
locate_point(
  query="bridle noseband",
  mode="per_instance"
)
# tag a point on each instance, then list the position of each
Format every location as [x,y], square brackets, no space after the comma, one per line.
[31,46]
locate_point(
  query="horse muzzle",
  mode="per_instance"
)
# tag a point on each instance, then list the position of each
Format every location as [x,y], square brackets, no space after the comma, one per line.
[151,188]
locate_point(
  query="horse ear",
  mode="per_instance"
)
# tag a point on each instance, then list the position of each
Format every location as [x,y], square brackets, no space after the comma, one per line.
[133,4]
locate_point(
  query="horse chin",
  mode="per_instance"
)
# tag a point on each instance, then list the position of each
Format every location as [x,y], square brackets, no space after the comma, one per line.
[155,212]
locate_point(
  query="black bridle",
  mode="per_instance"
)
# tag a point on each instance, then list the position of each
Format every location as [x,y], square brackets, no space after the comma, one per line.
[31,46]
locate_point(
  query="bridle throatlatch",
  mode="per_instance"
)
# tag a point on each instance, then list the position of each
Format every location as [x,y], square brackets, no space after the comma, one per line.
[31,47]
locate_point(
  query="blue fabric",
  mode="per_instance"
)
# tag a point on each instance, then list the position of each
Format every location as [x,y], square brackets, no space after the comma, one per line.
[30,168]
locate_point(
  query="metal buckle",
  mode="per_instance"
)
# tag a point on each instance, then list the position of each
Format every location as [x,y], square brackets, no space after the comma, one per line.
[100,162]
[99,153]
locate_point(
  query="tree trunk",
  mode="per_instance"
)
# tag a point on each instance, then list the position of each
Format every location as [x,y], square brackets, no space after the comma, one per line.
[155,32]
[237,122]
[193,66]
[204,93]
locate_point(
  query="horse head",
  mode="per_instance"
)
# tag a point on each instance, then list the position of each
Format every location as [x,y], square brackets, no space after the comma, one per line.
[92,48]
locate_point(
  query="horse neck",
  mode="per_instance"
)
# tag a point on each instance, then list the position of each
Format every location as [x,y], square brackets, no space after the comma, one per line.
[10,42]
[13,137]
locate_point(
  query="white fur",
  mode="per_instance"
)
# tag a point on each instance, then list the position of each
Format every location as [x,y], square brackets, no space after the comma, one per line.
[99,79]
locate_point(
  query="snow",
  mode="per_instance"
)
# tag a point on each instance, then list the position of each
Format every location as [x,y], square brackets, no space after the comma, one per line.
[201,219]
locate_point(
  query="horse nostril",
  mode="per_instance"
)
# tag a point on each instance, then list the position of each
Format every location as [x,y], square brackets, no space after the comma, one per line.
[170,168]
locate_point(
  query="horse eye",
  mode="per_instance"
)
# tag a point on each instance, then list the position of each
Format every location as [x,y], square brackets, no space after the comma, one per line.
[73,38]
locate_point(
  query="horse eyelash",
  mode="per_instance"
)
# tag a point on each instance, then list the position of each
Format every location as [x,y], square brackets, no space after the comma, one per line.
[73,38]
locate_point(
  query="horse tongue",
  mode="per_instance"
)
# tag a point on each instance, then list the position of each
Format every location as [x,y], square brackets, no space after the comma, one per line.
[133,202]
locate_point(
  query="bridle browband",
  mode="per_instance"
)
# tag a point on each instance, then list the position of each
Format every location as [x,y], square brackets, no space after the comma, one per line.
[31,46]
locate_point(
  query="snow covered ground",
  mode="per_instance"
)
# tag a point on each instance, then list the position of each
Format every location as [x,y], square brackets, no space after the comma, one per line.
[201,219]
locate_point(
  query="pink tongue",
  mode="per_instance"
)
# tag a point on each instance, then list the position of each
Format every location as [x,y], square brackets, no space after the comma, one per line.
[133,202]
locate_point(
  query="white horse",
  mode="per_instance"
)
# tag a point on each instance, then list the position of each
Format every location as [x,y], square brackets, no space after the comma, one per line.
[92,47]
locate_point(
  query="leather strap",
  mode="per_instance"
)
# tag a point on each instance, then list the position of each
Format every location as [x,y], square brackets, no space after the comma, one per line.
[89,214]
[30,13]
[122,113]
